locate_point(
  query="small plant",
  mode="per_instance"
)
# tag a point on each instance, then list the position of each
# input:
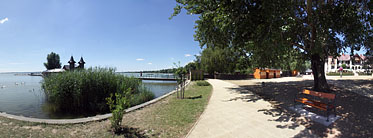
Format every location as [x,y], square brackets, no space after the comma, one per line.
[203,83]
[180,77]
[344,66]
[117,108]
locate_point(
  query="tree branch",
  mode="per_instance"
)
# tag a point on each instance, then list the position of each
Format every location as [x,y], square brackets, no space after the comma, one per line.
[299,46]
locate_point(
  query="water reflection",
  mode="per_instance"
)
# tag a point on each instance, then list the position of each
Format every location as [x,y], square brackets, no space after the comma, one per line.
[22,95]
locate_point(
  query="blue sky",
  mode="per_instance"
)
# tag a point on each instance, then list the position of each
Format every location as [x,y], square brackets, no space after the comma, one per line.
[131,35]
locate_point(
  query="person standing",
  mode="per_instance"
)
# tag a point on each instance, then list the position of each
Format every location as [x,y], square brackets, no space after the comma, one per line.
[340,71]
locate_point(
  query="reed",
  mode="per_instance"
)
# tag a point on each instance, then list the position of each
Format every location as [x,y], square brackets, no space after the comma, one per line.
[85,90]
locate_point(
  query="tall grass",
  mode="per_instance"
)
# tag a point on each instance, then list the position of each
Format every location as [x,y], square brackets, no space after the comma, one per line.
[84,91]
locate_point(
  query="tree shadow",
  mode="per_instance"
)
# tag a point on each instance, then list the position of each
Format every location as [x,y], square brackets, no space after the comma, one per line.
[194,97]
[130,132]
[363,87]
[356,110]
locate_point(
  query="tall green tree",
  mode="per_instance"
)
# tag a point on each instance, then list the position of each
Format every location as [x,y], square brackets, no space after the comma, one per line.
[191,66]
[53,61]
[267,29]
[294,60]
[368,63]
[217,60]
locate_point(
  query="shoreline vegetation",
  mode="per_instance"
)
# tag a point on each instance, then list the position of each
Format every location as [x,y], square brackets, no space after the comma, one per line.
[169,117]
[84,91]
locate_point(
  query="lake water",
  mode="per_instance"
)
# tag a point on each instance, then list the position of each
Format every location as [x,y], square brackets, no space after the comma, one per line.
[22,94]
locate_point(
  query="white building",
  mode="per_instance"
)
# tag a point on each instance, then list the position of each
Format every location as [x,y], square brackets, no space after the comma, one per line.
[353,63]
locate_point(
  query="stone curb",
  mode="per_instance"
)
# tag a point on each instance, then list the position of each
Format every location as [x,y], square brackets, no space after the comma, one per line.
[86,119]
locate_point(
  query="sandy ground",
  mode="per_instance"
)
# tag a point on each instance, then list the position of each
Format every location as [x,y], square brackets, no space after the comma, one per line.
[353,100]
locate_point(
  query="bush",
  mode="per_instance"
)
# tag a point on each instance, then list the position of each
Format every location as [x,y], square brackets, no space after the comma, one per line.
[203,83]
[337,74]
[141,97]
[84,91]
[365,73]
[117,107]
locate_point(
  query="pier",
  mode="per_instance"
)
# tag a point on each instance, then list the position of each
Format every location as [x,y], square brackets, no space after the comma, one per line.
[156,78]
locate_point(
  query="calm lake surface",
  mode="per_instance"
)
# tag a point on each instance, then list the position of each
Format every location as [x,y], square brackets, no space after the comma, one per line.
[22,94]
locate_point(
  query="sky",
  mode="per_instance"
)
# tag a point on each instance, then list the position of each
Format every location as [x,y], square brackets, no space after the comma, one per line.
[129,35]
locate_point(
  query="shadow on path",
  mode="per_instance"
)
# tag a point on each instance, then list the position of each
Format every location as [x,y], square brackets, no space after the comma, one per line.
[356,110]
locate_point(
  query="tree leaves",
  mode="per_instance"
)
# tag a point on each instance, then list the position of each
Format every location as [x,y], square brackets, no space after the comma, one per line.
[53,61]
[235,23]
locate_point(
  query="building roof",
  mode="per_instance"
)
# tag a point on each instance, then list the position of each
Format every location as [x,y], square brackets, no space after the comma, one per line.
[363,57]
[347,57]
[71,60]
[66,67]
[344,57]
[81,60]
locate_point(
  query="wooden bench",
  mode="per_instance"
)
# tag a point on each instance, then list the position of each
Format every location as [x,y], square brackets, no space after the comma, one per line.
[319,100]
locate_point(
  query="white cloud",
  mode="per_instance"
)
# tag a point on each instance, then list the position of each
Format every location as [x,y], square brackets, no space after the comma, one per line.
[150,63]
[3,20]
[188,55]
[140,59]
[172,58]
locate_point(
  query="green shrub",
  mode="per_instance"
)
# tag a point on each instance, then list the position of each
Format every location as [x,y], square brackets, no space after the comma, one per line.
[117,107]
[337,74]
[203,83]
[365,73]
[84,91]
[141,97]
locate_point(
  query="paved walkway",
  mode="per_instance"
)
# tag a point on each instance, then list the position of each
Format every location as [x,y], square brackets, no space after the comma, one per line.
[227,115]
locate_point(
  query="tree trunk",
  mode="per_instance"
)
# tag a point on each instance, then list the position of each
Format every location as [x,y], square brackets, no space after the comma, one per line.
[183,85]
[318,70]
[177,90]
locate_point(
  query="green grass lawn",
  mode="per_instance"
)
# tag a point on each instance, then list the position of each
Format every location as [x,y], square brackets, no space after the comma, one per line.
[170,117]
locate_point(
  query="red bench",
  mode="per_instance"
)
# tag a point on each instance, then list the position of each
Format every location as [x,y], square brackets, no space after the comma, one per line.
[319,100]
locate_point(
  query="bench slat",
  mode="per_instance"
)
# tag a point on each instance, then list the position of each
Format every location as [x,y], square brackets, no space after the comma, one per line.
[314,103]
[320,94]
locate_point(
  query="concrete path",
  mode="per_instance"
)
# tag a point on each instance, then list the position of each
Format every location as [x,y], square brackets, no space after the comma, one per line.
[226,115]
